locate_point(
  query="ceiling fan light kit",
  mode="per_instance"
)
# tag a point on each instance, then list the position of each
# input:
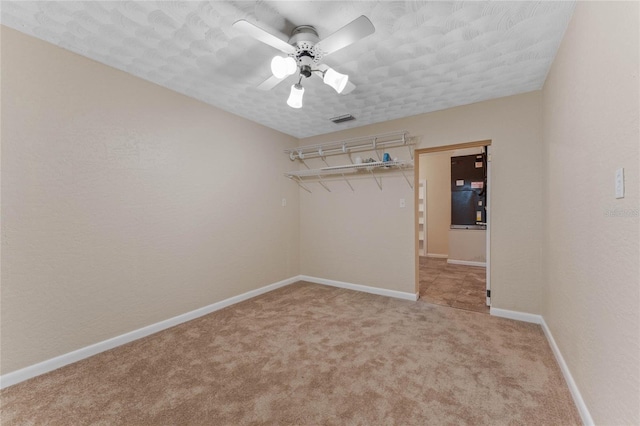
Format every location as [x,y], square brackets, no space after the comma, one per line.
[283,67]
[295,97]
[336,80]
[305,50]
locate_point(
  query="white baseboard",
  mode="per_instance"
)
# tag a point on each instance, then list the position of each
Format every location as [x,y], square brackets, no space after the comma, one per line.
[363,288]
[466,262]
[77,355]
[515,315]
[82,353]
[573,388]
[438,256]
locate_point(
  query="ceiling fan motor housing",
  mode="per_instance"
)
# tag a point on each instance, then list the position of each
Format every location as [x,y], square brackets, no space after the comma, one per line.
[305,38]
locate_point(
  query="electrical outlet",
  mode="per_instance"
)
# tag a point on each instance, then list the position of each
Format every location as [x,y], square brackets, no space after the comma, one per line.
[620,183]
[402,203]
[284,202]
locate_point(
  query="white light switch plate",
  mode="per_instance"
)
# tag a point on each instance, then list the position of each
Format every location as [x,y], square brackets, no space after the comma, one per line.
[402,203]
[620,183]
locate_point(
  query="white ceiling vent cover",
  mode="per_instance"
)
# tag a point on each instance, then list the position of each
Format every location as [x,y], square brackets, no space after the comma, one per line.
[342,118]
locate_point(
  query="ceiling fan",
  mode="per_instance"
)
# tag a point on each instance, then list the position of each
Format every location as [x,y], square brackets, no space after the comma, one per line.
[304,52]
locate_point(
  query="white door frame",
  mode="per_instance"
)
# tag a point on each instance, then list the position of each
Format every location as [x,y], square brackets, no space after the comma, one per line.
[488,206]
[416,173]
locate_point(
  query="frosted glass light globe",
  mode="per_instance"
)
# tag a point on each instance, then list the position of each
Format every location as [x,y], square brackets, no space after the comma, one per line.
[283,67]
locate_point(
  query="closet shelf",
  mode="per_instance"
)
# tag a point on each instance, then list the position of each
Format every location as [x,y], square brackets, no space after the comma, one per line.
[375,143]
[350,168]
[365,143]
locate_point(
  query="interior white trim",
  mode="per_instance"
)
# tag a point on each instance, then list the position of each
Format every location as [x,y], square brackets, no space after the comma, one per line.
[515,315]
[438,256]
[573,388]
[359,287]
[82,353]
[466,262]
[88,351]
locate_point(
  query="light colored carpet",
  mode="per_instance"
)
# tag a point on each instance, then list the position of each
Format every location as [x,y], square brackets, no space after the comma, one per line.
[308,354]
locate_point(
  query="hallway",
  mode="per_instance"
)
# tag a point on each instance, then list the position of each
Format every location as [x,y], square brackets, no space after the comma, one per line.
[457,286]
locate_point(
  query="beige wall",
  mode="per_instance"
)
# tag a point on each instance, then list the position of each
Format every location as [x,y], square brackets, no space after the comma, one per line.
[468,244]
[435,168]
[124,204]
[592,298]
[365,238]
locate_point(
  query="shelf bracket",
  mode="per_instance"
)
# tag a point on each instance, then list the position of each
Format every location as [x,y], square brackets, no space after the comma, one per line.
[319,176]
[376,179]
[347,181]
[404,141]
[375,148]
[300,184]
[406,178]
[323,184]
[324,160]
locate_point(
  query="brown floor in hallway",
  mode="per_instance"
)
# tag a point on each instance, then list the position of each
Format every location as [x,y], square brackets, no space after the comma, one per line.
[458,286]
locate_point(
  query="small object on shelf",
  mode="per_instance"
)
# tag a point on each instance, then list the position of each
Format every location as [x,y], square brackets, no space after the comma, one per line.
[358,165]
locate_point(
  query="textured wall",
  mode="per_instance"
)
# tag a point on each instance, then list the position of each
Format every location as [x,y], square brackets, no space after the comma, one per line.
[436,169]
[468,244]
[124,203]
[592,297]
[365,238]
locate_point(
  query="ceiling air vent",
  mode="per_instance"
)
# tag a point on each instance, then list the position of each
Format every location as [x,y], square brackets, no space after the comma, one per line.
[342,118]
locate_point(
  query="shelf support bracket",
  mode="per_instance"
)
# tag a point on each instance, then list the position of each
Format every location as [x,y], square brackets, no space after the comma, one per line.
[323,184]
[375,148]
[404,141]
[342,174]
[300,184]
[406,178]
[376,179]
[347,181]
[319,176]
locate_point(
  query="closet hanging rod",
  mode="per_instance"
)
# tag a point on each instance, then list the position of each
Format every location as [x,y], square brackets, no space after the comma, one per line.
[293,155]
[399,138]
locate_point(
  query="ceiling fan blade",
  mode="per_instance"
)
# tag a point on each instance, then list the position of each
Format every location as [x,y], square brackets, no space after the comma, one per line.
[348,88]
[355,30]
[261,35]
[270,83]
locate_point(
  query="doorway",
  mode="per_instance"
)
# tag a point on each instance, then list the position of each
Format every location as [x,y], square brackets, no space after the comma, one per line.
[452,254]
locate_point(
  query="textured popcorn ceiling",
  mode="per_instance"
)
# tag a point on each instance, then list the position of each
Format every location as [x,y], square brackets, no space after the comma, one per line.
[424,56]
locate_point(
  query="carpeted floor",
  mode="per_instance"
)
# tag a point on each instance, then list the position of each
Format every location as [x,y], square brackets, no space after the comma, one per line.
[458,286]
[308,354]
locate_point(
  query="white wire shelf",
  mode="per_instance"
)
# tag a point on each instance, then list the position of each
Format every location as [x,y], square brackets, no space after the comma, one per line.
[365,143]
[350,168]
[374,143]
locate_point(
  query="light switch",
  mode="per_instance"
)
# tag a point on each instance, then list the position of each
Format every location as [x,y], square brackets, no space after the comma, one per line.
[284,202]
[402,203]
[620,183]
